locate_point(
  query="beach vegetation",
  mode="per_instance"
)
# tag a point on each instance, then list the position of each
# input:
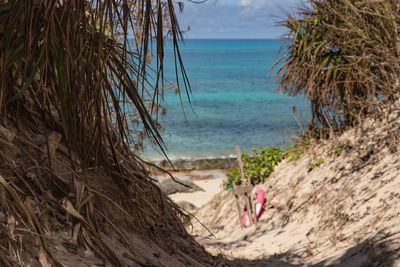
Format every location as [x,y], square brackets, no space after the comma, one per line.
[344,56]
[256,167]
[316,163]
[76,94]
[338,151]
[261,164]
[294,151]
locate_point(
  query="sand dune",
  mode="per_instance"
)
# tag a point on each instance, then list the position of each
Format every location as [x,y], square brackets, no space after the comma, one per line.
[344,212]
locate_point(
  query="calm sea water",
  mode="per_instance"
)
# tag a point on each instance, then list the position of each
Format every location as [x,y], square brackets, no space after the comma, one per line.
[234,100]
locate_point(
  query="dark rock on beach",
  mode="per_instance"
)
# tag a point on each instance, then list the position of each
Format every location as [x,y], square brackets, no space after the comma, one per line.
[169,186]
[198,164]
[187,205]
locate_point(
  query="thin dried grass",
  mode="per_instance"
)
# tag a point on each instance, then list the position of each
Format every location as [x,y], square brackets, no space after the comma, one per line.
[344,56]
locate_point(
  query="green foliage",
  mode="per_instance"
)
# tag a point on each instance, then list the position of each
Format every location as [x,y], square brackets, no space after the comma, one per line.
[261,165]
[258,167]
[316,163]
[295,151]
[233,175]
[338,151]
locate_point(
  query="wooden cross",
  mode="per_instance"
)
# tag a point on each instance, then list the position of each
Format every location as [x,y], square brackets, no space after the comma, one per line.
[244,190]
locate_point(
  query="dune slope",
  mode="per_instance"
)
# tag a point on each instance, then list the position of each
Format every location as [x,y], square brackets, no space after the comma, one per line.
[344,211]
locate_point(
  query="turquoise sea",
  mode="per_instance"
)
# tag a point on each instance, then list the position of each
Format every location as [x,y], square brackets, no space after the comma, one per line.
[234,100]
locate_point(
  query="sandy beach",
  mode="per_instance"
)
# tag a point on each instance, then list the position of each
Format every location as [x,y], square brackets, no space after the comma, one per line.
[211,181]
[200,198]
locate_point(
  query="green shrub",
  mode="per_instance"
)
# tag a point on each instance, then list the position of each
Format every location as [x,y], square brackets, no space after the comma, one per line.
[316,163]
[261,165]
[295,151]
[258,167]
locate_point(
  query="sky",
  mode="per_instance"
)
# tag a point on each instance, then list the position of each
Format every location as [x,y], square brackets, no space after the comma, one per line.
[236,19]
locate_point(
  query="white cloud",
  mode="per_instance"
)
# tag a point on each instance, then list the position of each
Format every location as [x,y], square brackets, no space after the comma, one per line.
[253,3]
[245,2]
[235,18]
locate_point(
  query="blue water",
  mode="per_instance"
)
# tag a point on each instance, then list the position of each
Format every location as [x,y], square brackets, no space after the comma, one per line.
[234,100]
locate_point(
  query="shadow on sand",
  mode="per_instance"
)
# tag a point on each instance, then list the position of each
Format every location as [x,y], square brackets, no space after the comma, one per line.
[381,250]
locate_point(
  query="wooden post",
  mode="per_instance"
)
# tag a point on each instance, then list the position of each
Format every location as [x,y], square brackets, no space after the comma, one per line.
[237,204]
[239,159]
[247,202]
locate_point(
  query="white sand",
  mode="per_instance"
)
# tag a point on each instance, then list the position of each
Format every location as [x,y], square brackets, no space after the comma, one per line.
[210,180]
[211,188]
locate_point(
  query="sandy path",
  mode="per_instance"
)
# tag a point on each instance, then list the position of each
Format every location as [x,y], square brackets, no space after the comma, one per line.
[344,212]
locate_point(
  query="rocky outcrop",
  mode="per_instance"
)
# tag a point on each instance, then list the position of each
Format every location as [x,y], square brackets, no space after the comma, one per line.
[198,164]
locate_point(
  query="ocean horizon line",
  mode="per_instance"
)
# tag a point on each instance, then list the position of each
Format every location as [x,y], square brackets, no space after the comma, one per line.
[222,39]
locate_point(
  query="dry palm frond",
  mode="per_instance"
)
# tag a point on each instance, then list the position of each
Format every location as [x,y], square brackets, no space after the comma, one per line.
[70,82]
[75,62]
